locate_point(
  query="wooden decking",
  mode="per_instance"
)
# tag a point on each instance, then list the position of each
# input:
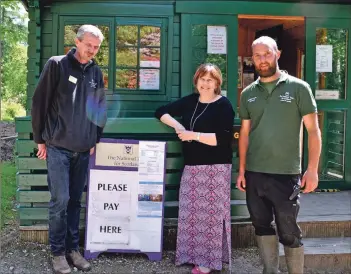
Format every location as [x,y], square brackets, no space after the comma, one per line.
[335,206]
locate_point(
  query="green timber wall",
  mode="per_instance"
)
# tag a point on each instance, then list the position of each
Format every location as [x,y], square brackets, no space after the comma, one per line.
[33,195]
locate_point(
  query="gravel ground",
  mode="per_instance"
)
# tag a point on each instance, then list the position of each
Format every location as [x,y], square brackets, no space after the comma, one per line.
[30,258]
[7,129]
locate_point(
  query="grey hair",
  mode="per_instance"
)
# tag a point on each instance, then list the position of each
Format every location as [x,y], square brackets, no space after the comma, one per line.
[266,40]
[91,30]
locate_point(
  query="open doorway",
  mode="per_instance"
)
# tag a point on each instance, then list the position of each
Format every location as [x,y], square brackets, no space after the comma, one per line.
[289,32]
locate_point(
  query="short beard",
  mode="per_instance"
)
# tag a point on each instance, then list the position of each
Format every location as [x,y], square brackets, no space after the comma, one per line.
[268,73]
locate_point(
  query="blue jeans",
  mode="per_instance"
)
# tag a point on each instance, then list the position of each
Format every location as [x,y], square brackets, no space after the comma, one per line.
[67,176]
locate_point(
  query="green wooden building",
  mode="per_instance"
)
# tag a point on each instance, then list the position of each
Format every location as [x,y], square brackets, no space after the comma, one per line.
[149,56]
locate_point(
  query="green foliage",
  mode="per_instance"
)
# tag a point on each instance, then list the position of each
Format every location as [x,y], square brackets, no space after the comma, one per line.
[10,110]
[13,30]
[14,77]
[8,192]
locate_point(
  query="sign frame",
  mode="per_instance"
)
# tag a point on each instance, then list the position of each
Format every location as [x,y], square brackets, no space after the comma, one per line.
[153,256]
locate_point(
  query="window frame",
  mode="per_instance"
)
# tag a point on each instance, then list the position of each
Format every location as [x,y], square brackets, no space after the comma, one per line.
[113,93]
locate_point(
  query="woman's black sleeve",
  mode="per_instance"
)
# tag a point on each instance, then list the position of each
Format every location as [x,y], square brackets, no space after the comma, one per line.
[224,130]
[175,109]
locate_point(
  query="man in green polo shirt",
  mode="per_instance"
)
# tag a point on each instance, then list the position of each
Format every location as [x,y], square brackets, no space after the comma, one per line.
[272,110]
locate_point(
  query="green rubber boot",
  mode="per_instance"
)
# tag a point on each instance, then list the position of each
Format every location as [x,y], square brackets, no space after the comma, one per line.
[269,252]
[294,259]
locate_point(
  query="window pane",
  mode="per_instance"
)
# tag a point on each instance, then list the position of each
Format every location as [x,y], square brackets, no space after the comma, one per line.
[71,32]
[150,36]
[127,36]
[105,75]
[126,78]
[102,57]
[150,57]
[331,63]
[331,165]
[200,53]
[127,57]
[149,79]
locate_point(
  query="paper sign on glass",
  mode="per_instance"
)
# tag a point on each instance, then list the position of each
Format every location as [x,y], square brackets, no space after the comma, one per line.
[216,40]
[149,79]
[324,58]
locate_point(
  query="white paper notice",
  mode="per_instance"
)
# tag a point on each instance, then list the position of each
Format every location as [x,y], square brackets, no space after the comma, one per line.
[151,161]
[110,206]
[327,94]
[111,231]
[216,40]
[148,64]
[149,79]
[324,58]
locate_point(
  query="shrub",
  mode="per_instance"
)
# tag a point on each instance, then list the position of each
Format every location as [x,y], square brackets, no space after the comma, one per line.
[10,110]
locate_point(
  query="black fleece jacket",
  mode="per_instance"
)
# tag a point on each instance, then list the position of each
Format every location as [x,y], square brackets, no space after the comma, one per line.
[69,106]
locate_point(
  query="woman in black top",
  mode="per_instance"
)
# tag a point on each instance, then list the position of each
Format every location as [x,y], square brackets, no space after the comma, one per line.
[206,130]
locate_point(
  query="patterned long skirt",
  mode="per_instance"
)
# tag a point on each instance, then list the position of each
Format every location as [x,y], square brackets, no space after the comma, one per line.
[204,216]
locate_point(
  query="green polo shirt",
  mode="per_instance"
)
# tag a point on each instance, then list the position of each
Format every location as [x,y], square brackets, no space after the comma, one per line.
[276,117]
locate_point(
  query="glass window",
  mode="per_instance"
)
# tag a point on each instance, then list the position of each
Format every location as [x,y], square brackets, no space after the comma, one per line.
[331,63]
[200,51]
[138,57]
[102,57]
[332,125]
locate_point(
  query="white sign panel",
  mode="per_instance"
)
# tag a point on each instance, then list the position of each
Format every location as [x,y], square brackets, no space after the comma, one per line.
[148,64]
[327,94]
[149,79]
[324,58]
[216,40]
[125,200]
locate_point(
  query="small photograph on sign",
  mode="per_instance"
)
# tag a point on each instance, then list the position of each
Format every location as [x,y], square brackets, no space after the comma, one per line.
[150,197]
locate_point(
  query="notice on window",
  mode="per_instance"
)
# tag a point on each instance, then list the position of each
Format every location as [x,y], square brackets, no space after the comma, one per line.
[327,94]
[150,64]
[324,58]
[149,79]
[216,40]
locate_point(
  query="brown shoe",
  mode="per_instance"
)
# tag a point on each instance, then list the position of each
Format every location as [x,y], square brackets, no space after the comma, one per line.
[79,261]
[60,265]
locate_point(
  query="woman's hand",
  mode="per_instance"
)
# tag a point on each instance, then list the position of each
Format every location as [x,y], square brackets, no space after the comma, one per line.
[186,135]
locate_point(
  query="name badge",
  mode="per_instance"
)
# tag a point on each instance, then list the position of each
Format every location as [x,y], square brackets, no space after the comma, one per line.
[72,79]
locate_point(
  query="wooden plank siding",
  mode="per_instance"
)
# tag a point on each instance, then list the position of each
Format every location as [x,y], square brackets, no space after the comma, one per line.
[33,194]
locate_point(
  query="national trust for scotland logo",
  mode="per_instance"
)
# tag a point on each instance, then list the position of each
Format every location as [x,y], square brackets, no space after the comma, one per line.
[128,149]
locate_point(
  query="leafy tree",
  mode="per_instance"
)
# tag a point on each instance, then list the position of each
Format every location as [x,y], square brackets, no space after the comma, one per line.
[13,30]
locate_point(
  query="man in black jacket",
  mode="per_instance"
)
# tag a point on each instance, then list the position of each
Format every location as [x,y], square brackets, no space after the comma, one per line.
[68,116]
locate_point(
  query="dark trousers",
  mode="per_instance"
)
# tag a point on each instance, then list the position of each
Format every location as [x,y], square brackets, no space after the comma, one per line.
[267,197]
[67,175]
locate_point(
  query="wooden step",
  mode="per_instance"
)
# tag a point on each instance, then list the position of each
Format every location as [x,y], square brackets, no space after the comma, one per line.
[243,234]
[324,254]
